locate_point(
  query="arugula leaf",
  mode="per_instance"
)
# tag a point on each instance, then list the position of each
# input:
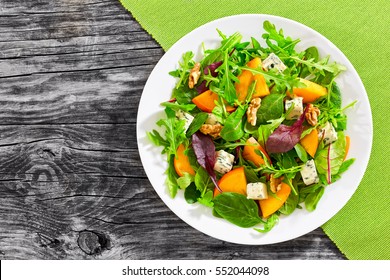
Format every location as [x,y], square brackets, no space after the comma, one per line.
[269,224]
[229,43]
[171,180]
[186,65]
[226,87]
[283,45]
[271,108]
[176,106]
[174,133]
[310,53]
[282,81]
[237,209]
[233,128]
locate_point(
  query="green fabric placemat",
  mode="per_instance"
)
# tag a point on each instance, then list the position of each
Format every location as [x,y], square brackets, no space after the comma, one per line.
[361,30]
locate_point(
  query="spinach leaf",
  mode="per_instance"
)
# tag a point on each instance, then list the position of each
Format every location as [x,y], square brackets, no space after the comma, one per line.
[203,181]
[271,108]
[191,194]
[335,156]
[196,123]
[312,199]
[344,167]
[184,94]
[301,152]
[237,209]
[290,205]
[207,199]
[269,224]
[233,128]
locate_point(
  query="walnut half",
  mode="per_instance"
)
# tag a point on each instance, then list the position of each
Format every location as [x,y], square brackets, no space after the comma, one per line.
[211,129]
[194,75]
[275,183]
[252,111]
[312,114]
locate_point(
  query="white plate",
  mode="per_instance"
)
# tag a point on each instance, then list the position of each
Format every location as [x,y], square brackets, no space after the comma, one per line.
[159,88]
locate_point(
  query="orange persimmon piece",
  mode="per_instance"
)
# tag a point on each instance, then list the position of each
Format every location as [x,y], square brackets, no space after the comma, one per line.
[206,101]
[271,204]
[181,162]
[249,152]
[310,142]
[311,92]
[233,181]
[347,145]
[246,78]
[261,88]
[254,63]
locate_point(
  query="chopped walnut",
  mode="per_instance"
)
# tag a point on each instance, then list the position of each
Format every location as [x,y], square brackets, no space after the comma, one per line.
[252,111]
[211,129]
[275,183]
[194,75]
[312,114]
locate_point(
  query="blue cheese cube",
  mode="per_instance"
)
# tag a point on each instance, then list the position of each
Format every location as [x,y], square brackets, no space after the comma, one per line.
[297,110]
[224,162]
[309,173]
[273,61]
[181,115]
[211,119]
[256,191]
[328,133]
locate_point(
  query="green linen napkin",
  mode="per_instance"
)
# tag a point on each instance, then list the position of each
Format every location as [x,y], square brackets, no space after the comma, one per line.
[361,30]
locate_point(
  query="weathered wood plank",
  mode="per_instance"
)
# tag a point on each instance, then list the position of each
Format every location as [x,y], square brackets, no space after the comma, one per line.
[71,182]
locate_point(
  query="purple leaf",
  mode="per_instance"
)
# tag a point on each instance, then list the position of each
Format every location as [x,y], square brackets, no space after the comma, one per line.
[204,149]
[212,67]
[284,138]
[202,87]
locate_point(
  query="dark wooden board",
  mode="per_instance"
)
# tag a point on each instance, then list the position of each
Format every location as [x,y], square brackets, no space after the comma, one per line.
[72,185]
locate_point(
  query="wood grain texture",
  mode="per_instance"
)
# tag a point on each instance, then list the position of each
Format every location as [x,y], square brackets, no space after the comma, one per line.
[71,182]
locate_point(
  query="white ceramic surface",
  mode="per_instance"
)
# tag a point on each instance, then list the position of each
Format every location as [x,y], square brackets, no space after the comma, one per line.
[159,88]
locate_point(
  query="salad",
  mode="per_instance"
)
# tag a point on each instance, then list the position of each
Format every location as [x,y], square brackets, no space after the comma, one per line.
[254,131]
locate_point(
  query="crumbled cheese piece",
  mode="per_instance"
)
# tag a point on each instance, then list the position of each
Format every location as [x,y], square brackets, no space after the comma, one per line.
[223,162]
[273,61]
[328,133]
[309,173]
[297,110]
[211,119]
[256,191]
[181,115]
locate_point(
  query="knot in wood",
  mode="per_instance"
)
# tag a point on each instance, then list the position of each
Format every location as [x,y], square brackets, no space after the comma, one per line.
[93,243]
